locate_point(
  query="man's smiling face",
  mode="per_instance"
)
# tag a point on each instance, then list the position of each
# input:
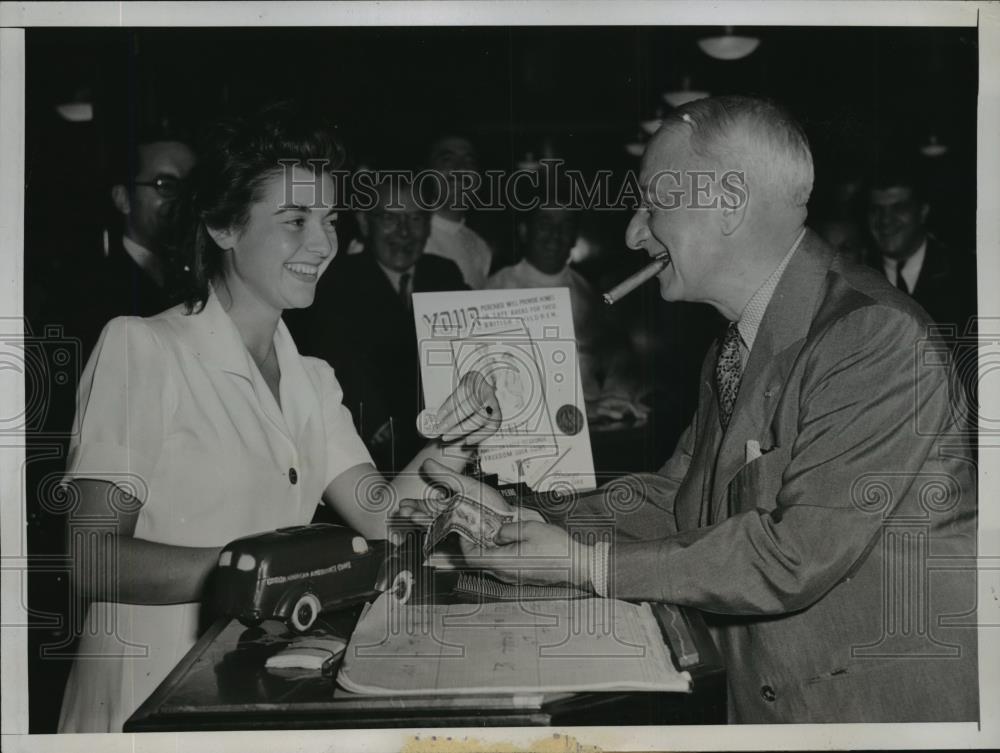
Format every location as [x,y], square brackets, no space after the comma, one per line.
[896,220]
[670,219]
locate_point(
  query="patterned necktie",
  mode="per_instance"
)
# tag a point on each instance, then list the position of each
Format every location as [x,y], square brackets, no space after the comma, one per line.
[728,372]
[900,282]
[404,289]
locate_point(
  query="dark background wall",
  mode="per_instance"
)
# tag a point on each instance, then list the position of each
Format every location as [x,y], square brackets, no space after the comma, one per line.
[857,90]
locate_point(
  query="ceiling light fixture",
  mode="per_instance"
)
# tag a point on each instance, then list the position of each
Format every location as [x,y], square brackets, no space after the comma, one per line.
[652,125]
[685,94]
[933,147]
[635,148]
[728,46]
[79,109]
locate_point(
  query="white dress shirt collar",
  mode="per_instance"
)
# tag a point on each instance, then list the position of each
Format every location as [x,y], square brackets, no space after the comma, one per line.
[528,272]
[753,313]
[912,265]
[394,277]
[445,225]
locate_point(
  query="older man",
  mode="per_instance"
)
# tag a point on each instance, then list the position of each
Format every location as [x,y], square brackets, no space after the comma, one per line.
[821,506]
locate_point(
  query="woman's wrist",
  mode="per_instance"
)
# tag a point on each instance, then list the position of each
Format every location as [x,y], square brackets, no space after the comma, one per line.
[454,455]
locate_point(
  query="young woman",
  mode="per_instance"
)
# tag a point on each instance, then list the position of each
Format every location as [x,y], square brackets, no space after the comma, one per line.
[203,423]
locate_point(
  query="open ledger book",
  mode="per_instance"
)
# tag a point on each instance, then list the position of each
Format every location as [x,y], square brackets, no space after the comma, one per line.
[508,647]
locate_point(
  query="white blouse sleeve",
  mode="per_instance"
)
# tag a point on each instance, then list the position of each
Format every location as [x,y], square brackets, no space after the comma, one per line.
[121,404]
[344,448]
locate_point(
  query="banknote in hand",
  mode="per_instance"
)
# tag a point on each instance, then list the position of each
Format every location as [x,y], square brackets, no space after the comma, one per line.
[470,519]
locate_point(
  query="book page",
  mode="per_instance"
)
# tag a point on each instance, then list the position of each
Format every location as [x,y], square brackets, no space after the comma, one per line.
[516,647]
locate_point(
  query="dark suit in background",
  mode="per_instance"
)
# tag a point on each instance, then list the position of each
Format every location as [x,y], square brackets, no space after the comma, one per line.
[115,286]
[946,287]
[360,325]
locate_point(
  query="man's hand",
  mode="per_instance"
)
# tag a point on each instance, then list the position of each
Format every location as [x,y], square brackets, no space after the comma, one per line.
[533,553]
[616,407]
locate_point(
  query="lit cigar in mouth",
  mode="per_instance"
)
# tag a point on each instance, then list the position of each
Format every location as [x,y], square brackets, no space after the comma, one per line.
[629,284]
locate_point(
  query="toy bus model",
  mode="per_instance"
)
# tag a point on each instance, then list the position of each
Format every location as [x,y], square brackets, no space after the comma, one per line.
[293,574]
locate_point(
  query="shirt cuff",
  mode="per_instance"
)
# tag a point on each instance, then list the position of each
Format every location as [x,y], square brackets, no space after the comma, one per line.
[598,566]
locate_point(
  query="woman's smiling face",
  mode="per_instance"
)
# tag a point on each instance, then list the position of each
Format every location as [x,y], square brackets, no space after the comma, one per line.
[289,239]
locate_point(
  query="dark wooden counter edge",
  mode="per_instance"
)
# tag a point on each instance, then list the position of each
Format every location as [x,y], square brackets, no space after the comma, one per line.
[708,675]
[149,706]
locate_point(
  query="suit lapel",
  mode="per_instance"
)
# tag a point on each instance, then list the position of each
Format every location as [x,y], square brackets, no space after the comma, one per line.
[378,280]
[382,300]
[934,269]
[779,340]
[706,452]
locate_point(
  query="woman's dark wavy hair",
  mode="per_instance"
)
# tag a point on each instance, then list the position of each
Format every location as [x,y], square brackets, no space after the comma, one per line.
[240,156]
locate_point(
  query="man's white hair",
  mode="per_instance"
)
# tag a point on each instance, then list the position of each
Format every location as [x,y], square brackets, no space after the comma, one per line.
[752,136]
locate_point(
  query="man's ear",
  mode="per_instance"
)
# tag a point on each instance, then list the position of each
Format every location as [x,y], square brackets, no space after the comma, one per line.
[224,239]
[925,209]
[119,197]
[731,216]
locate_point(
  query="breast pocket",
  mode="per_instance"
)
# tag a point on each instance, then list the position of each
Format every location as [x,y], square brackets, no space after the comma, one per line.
[757,483]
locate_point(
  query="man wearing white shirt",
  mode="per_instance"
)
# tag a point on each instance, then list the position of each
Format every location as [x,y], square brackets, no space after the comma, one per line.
[904,273]
[450,237]
[608,386]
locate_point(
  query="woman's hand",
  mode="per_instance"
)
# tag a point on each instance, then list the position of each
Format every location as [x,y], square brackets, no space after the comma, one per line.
[471,413]
[445,484]
[533,553]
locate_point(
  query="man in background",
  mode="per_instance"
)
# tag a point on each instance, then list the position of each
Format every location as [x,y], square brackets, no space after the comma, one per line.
[142,270]
[455,158]
[607,370]
[362,322]
[941,279]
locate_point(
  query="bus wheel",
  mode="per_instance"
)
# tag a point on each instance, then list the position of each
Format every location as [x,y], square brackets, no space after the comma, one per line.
[304,612]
